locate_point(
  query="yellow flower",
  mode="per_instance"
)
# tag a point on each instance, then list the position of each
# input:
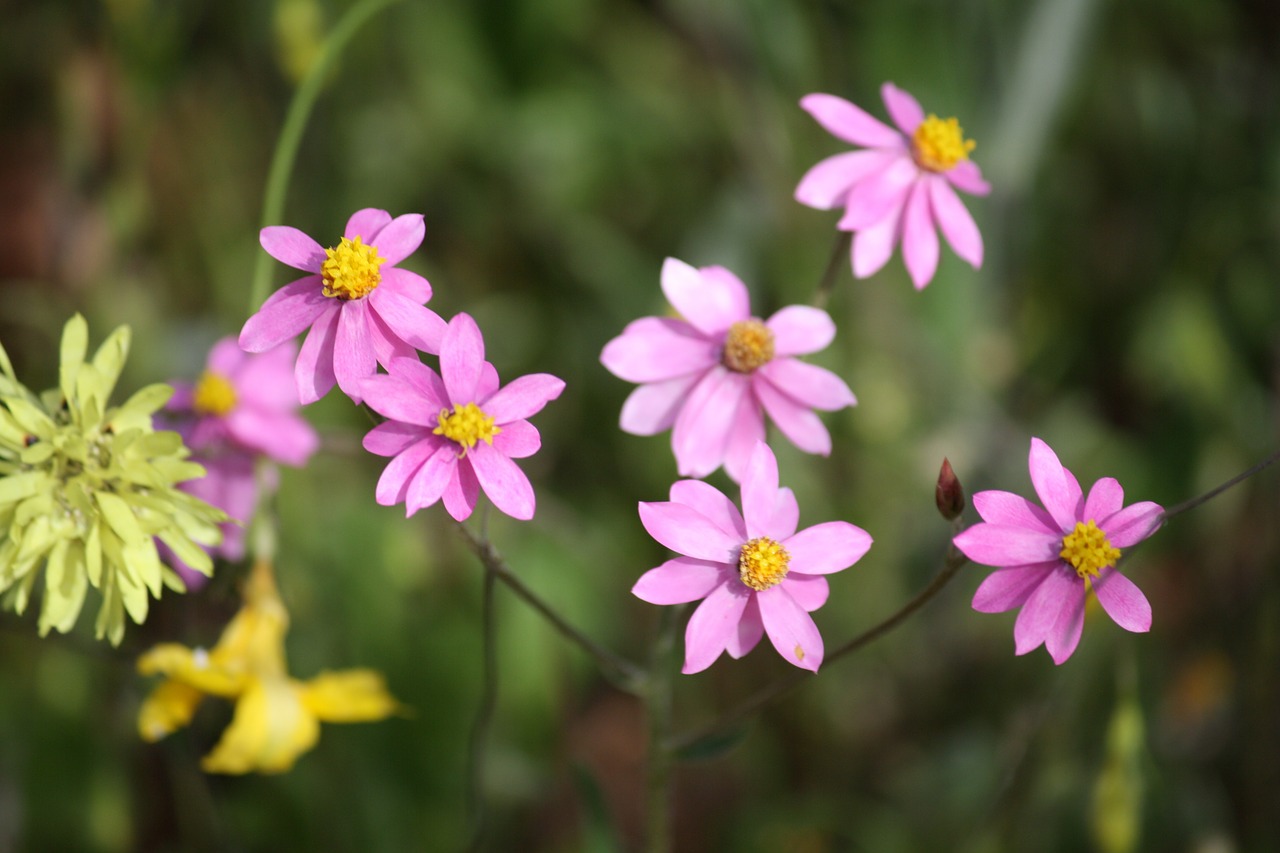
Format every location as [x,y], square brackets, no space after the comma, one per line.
[277,718]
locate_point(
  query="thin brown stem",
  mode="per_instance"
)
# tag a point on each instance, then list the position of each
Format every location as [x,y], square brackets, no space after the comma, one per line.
[828,281]
[1213,493]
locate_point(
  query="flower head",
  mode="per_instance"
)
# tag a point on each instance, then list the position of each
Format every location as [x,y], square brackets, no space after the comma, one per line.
[754,572]
[455,433]
[87,489]
[277,717]
[1049,559]
[711,375]
[900,188]
[361,308]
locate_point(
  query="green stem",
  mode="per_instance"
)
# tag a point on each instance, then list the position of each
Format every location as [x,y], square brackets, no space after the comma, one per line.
[659,704]
[295,122]
[484,716]
[839,254]
[1213,493]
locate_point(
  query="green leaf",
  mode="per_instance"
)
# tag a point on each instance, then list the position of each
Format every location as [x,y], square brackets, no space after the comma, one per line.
[109,360]
[18,487]
[138,409]
[120,518]
[75,343]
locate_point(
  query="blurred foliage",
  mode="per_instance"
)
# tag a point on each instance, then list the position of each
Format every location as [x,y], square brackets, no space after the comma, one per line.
[559,150]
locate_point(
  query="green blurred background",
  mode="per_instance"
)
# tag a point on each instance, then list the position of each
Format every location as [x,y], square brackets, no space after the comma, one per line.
[559,150]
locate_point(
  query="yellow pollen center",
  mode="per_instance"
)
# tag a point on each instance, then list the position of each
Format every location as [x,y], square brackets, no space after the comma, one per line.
[466,424]
[762,563]
[940,143]
[350,269]
[214,395]
[747,346]
[1087,550]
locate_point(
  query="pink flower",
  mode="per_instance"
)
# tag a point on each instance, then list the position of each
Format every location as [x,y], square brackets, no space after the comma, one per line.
[712,375]
[900,188]
[362,310]
[456,433]
[231,484]
[1049,559]
[754,572]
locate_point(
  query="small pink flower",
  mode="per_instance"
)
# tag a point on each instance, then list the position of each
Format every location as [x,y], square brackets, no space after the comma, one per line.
[754,572]
[361,308]
[455,433]
[900,187]
[712,375]
[1049,559]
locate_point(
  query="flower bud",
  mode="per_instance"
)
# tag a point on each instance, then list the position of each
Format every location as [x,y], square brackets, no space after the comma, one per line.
[949,494]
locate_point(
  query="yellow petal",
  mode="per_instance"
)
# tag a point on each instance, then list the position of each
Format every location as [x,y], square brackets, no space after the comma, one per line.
[350,696]
[169,707]
[271,728]
[193,668]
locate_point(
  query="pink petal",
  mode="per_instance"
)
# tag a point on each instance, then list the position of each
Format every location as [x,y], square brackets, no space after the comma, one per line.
[800,330]
[285,314]
[432,478]
[1105,499]
[879,196]
[1132,524]
[518,440]
[702,429]
[654,349]
[415,324]
[711,503]
[353,358]
[408,284]
[461,494]
[826,548]
[712,626]
[687,531]
[488,382]
[1006,508]
[226,358]
[807,384]
[398,239]
[809,591]
[919,238]
[394,481]
[750,630]
[1123,601]
[679,581]
[967,177]
[503,481]
[390,438]
[651,409]
[790,629]
[266,381]
[786,516]
[421,380]
[759,490]
[387,345]
[461,358]
[314,371]
[956,223]
[872,247]
[366,224]
[284,438]
[1057,489]
[523,397]
[1007,545]
[1061,590]
[850,123]
[827,184]
[711,299]
[903,108]
[746,430]
[1005,589]
[799,424]
[393,397]
[1064,636]
[292,247]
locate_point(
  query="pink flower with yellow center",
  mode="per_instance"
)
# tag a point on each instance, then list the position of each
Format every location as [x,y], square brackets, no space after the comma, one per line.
[456,433]
[901,189]
[712,374]
[361,308]
[754,573]
[1050,558]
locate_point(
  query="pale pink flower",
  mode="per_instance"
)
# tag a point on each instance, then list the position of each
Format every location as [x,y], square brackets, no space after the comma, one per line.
[900,188]
[712,374]
[361,308]
[456,433]
[1049,559]
[754,572]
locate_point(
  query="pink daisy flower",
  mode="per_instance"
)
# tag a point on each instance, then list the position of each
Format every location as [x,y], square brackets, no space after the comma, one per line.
[712,374]
[361,309]
[754,573]
[901,188]
[1049,559]
[456,433]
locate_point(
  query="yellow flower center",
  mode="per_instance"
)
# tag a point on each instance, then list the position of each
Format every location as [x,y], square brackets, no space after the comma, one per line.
[940,143]
[214,395]
[1087,549]
[762,563]
[466,424]
[350,269]
[748,345]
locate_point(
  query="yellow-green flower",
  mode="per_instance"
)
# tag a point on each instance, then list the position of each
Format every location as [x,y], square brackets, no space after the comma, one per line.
[277,718]
[86,488]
